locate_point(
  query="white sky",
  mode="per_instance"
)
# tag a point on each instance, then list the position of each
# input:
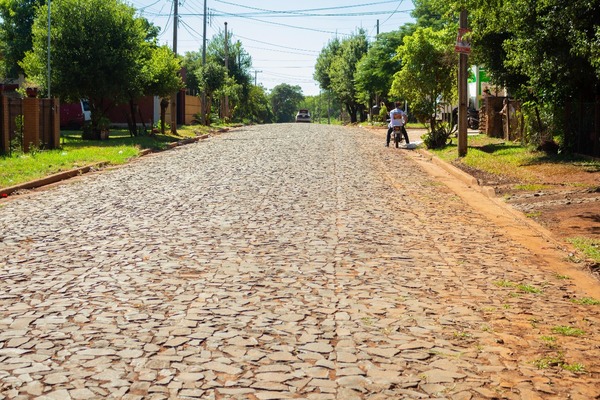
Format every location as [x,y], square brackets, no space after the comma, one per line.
[283,37]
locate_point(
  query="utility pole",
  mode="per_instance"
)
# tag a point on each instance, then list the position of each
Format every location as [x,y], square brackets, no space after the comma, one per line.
[462,91]
[226,103]
[49,95]
[255,81]
[174,95]
[204,118]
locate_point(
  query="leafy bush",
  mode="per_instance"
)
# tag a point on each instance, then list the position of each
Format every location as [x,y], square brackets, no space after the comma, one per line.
[439,137]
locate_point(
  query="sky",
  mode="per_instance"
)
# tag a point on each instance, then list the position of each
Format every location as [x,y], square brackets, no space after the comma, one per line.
[284,38]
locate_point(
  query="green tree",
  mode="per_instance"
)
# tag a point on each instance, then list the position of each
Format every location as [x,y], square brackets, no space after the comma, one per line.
[192,62]
[239,64]
[428,74]
[211,77]
[257,109]
[342,72]
[324,61]
[156,74]
[16,20]
[285,100]
[375,71]
[162,77]
[544,52]
[96,50]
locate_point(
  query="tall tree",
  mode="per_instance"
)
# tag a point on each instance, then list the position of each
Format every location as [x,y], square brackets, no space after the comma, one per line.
[16,20]
[324,61]
[96,50]
[162,77]
[375,71]
[428,74]
[257,109]
[211,77]
[335,70]
[239,63]
[285,99]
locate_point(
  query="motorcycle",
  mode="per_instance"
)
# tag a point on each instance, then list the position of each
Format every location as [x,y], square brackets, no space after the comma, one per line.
[472,118]
[398,137]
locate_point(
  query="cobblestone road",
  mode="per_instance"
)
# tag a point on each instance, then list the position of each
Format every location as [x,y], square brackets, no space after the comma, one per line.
[272,263]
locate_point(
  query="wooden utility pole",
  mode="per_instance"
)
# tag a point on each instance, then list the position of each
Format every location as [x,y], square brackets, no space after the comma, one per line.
[226,102]
[49,68]
[255,77]
[204,110]
[174,95]
[462,91]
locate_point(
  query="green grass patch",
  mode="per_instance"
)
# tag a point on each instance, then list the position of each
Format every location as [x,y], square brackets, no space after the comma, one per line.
[549,361]
[504,283]
[531,187]
[529,289]
[549,341]
[558,361]
[575,367]
[76,152]
[533,214]
[567,331]
[588,246]
[586,301]
[496,156]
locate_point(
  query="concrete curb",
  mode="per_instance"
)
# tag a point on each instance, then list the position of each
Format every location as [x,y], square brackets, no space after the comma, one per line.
[460,174]
[490,193]
[61,176]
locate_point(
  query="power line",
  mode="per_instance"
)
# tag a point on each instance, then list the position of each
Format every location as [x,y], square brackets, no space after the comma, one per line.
[395,11]
[307,10]
[275,45]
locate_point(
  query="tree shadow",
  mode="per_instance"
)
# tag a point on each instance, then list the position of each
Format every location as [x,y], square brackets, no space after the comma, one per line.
[491,148]
[117,138]
[589,165]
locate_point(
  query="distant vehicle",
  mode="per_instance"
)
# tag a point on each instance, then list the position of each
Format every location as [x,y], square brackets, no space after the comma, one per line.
[74,115]
[303,116]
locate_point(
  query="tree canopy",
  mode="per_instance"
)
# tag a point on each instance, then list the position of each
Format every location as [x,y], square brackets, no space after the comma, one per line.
[96,50]
[285,101]
[428,73]
[16,20]
[335,69]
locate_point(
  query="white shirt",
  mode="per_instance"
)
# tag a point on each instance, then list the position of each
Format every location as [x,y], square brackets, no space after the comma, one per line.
[397,117]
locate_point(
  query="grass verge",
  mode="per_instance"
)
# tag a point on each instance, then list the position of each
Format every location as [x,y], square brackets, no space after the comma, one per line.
[588,246]
[76,152]
[500,157]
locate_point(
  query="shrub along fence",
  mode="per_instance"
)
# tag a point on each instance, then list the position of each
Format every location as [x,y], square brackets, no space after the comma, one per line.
[29,123]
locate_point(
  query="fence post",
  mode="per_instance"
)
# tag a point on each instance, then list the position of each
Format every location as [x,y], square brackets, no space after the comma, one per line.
[4,125]
[31,123]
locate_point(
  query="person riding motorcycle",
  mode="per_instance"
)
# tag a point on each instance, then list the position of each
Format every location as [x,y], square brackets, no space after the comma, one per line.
[397,118]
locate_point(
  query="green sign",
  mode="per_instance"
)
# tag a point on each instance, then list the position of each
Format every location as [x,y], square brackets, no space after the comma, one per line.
[471,77]
[483,76]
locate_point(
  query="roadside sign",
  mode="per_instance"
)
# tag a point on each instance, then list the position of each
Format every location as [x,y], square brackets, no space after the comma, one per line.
[463,41]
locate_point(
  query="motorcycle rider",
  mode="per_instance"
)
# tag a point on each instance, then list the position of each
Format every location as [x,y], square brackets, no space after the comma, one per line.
[397,118]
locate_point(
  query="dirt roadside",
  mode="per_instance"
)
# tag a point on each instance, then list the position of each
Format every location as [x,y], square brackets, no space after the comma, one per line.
[568,206]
